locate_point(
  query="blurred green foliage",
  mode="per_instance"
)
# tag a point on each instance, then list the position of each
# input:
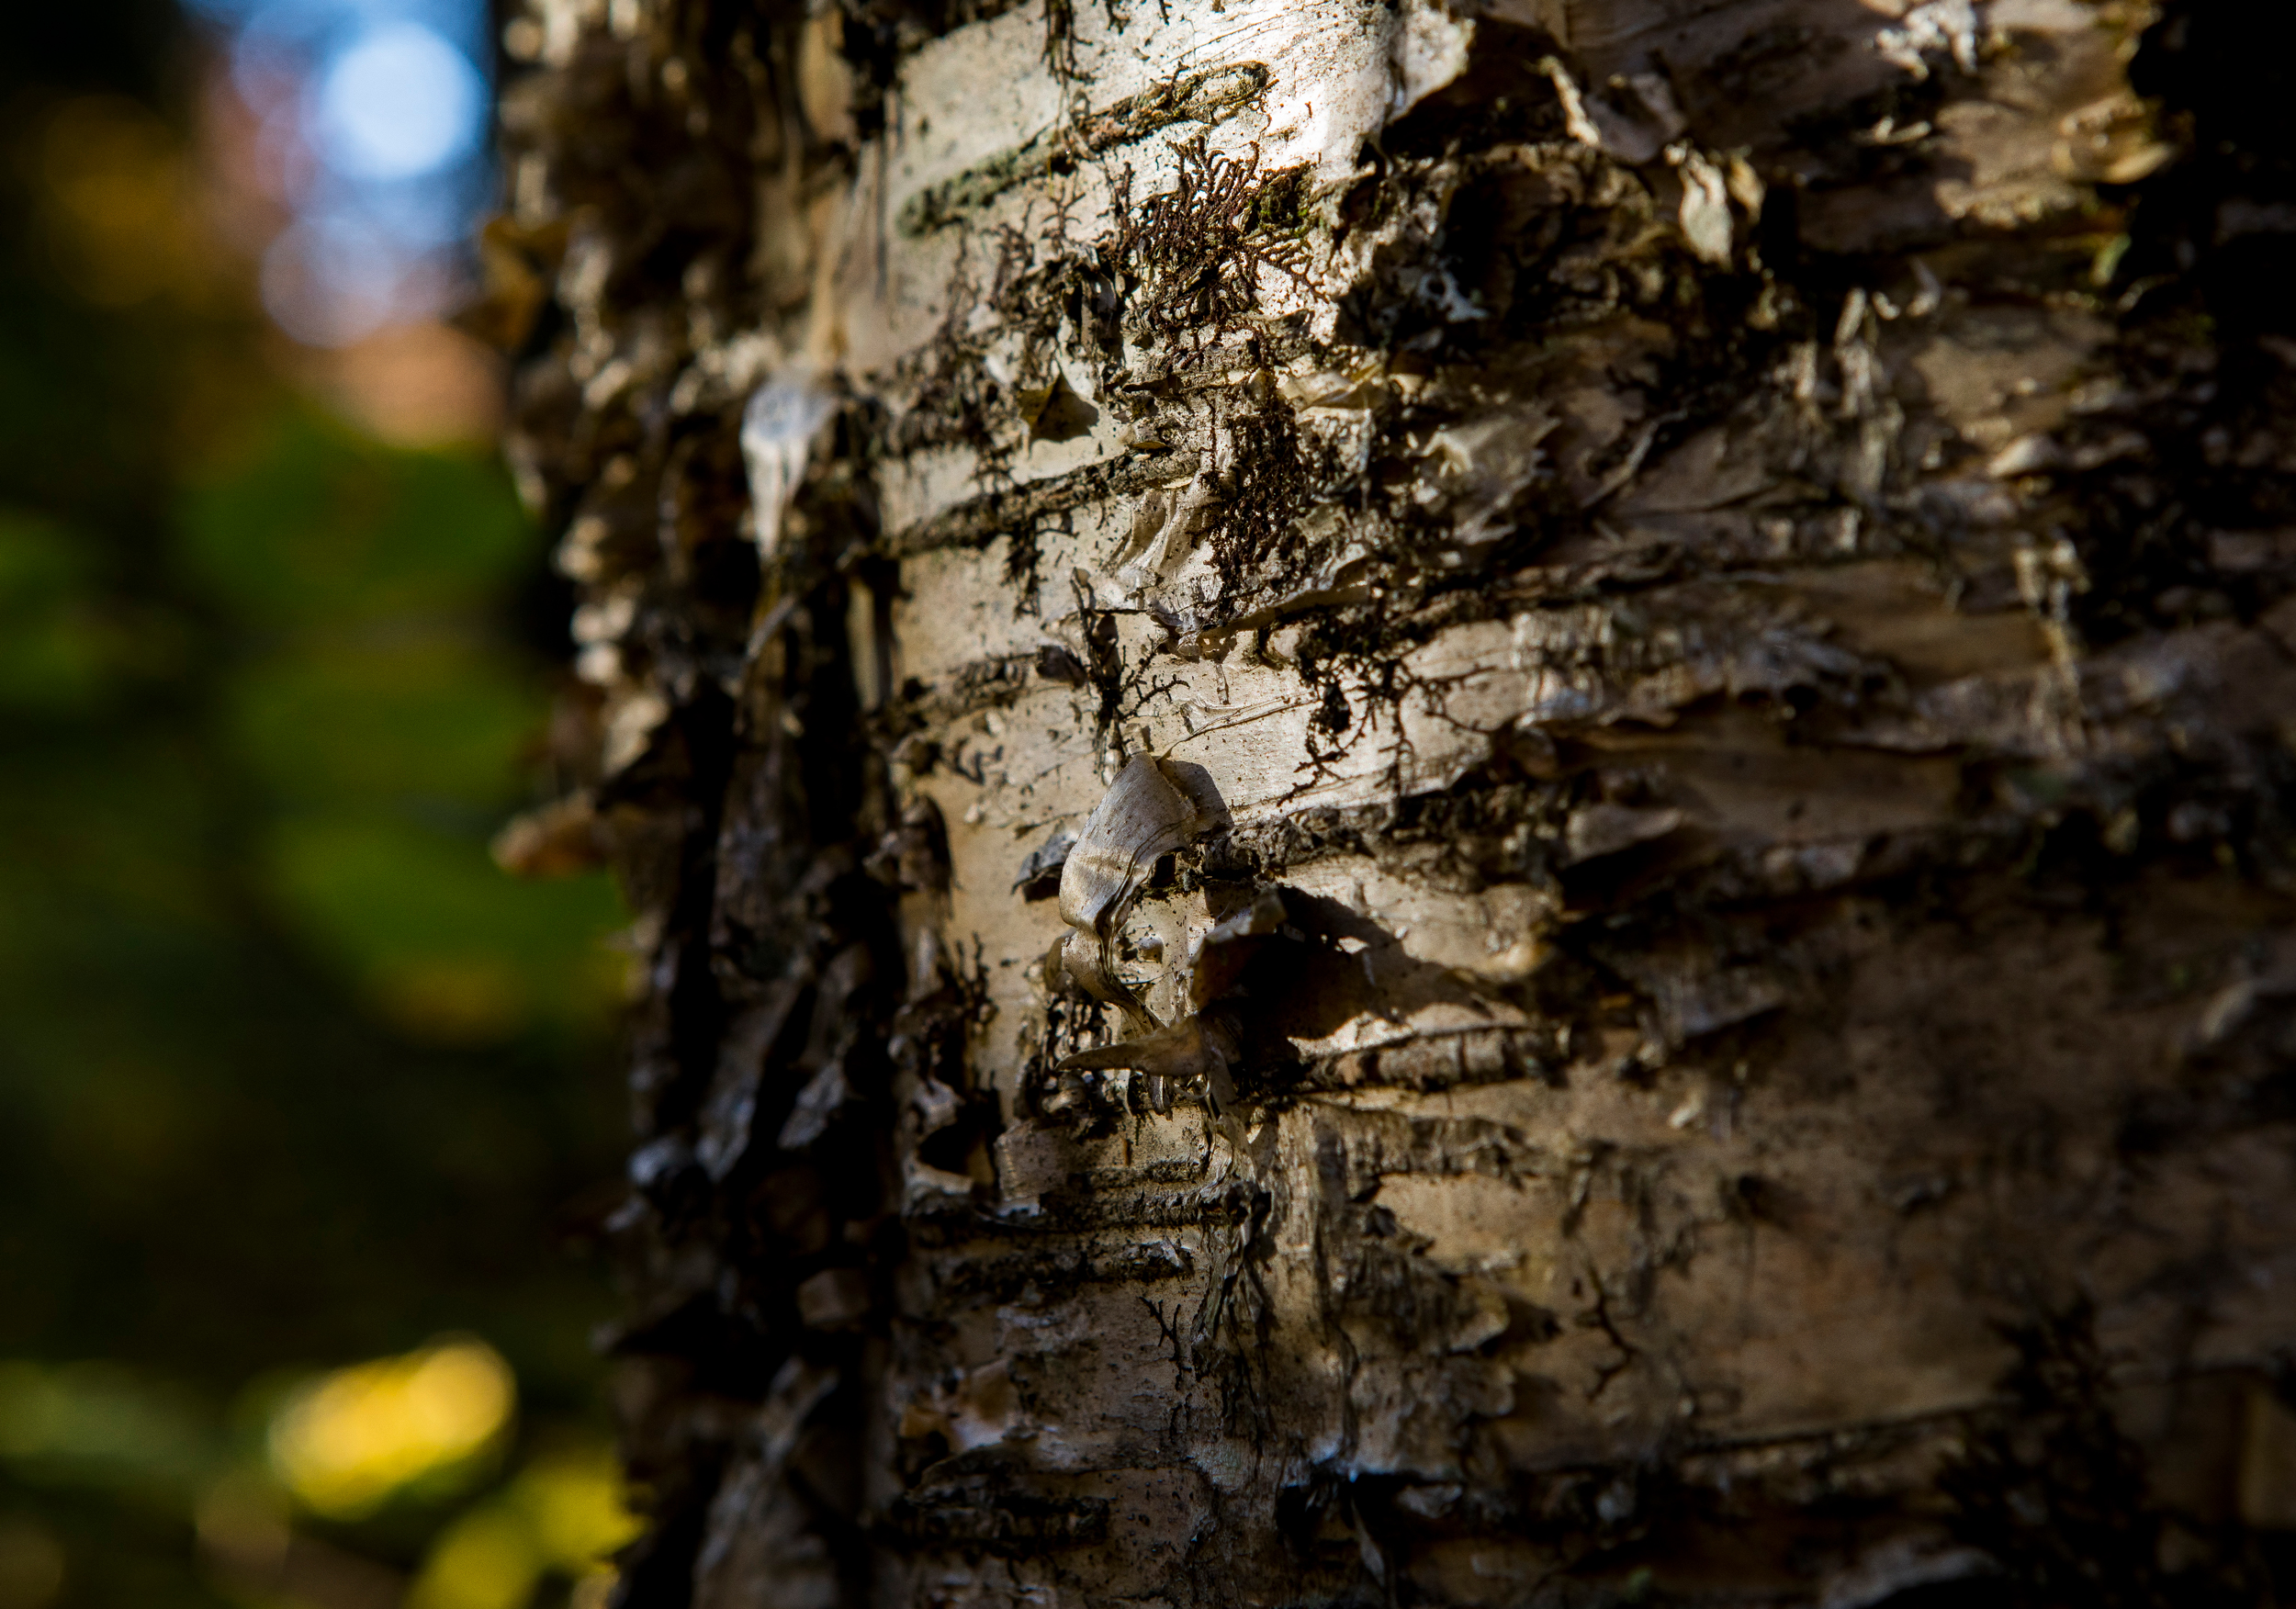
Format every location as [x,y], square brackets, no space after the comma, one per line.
[369,703]
[290,1075]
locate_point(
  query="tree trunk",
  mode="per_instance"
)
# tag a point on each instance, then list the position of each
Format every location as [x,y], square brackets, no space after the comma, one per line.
[1434,807]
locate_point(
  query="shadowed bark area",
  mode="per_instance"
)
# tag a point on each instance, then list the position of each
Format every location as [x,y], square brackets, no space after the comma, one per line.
[1482,805]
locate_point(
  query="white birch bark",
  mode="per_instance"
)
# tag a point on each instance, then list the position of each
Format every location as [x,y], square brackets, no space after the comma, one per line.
[1757,1073]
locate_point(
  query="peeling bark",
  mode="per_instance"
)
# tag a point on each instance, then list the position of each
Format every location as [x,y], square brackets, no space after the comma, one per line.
[1689,990]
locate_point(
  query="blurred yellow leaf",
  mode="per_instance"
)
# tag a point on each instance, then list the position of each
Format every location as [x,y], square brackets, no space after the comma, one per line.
[575,1503]
[349,1440]
[486,1559]
[564,1513]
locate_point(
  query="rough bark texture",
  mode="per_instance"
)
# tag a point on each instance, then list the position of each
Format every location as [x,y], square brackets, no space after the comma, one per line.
[1686,614]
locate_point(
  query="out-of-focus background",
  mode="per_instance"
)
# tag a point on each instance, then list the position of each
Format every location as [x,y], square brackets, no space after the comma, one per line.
[304,1107]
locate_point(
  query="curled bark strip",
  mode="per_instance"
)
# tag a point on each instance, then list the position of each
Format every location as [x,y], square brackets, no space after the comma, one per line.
[1195,1052]
[1154,807]
[779,427]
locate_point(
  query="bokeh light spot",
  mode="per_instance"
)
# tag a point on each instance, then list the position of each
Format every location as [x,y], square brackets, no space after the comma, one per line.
[399,102]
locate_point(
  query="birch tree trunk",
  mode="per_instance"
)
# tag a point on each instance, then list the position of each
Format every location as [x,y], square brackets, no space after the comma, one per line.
[1477,805]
